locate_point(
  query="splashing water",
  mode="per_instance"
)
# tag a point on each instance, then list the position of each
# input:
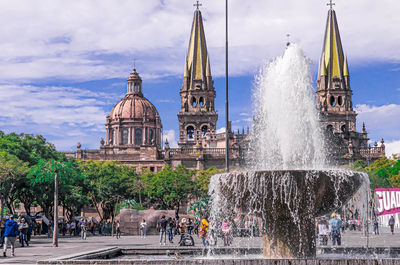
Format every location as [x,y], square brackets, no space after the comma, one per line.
[286,131]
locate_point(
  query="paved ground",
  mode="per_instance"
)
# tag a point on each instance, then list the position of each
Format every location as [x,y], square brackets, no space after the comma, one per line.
[41,247]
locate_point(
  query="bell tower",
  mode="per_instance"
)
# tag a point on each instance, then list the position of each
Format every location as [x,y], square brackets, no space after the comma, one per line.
[333,82]
[197,116]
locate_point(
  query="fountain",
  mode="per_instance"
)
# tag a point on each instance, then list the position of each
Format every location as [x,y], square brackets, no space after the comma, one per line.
[289,182]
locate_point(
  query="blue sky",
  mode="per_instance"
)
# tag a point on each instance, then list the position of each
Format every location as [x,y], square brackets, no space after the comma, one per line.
[64,64]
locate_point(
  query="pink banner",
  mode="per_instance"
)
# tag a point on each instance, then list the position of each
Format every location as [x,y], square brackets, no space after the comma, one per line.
[387,201]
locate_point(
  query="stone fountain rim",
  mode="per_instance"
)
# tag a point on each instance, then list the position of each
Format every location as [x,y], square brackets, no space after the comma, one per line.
[298,170]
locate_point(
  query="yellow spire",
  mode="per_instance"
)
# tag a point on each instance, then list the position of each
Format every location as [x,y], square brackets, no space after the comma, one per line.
[197,57]
[345,67]
[332,53]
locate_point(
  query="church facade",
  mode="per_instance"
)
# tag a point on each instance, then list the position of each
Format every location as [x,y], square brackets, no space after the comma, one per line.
[134,127]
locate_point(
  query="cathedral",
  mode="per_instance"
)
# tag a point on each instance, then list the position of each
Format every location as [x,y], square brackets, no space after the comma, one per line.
[134,127]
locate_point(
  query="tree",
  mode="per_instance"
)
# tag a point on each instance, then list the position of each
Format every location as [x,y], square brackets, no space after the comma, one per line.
[11,170]
[202,181]
[171,187]
[71,194]
[108,183]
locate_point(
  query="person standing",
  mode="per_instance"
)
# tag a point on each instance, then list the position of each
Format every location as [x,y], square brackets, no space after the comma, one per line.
[72,228]
[376,227]
[170,228]
[84,228]
[335,224]
[2,233]
[226,230]
[118,230]
[391,224]
[10,235]
[203,230]
[143,228]
[23,230]
[162,225]
[323,231]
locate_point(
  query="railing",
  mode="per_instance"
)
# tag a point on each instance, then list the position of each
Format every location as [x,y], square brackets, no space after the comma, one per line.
[372,152]
[174,152]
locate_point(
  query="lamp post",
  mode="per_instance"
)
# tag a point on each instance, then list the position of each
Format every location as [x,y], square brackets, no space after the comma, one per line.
[226,91]
[55,221]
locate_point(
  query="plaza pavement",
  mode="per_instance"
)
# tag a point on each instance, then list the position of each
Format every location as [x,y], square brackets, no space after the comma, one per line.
[41,247]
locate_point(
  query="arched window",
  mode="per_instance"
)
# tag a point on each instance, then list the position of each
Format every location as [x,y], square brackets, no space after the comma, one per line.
[343,128]
[332,101]
[190,132]
[201,102]
[151,136]
[111,136]
[125,136]
[138,136]
[329,128]
[194,102]
[340,101]
[204,130]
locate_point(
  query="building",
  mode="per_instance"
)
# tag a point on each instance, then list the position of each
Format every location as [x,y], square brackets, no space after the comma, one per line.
[134,128]
[334,100]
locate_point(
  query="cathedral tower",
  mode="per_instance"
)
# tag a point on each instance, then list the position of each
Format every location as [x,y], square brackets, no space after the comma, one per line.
[333,83]
[197,116]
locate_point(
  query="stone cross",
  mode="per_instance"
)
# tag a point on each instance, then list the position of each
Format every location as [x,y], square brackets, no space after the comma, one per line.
[330,4]
[197,4]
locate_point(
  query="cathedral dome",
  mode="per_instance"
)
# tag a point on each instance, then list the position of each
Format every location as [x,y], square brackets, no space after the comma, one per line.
[135,107]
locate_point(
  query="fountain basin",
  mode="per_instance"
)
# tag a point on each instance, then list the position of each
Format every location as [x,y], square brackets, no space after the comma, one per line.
[287,201]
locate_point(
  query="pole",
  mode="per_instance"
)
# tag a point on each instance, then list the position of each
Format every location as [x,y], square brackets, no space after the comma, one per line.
[55,221]
[226,91]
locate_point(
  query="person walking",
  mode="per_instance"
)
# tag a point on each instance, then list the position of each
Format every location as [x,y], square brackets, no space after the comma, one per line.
[391,224]
[84,228]
[118,230]
[162,225]
[10,235]
[143,229]
[335,224]
[2,233]
[23,230]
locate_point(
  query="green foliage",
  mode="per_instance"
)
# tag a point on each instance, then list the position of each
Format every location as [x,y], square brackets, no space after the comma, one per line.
[202,180]
[108,183]
[199,207]
[169,187]
[383,172]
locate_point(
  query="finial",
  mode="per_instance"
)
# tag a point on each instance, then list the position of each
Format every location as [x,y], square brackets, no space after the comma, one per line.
[288,39]
[197,5]
[382,141]
[363,128]
[78,146]
[134,64]
[330,4]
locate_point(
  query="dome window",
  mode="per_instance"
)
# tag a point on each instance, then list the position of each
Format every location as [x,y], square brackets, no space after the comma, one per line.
[111,137]
[329,128]
[151,136]
[138,136]
[125,136]
[190,133]
[136,88]
[343,128]
[194,102]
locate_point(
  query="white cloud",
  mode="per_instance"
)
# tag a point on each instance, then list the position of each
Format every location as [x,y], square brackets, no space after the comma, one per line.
[65,114]
[98,39]
[381,121]
[170,135]
[221,130]
[392,147]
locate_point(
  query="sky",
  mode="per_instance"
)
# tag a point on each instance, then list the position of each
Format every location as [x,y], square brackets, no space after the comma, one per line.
[64,64]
